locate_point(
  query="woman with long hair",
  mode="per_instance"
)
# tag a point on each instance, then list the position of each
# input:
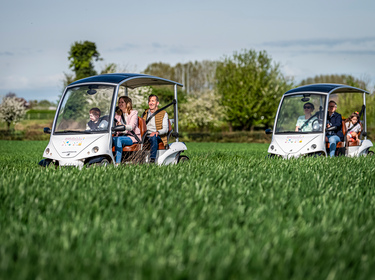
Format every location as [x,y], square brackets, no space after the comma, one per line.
[353,125]
[129,118]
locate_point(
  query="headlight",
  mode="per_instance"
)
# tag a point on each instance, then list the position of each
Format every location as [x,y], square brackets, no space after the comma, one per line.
[95,149]
[313,146]
[272,147]
[47,151]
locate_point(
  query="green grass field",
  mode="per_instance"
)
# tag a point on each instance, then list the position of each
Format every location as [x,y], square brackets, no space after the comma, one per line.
[229,213]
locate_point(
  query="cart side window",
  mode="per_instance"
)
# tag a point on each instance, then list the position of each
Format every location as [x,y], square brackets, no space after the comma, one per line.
[301,114]
[85,109]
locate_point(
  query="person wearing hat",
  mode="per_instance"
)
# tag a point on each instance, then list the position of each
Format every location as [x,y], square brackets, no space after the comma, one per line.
[304,123]
[334,119]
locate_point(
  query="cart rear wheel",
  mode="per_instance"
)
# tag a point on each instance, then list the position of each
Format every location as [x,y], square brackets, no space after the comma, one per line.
[183,159]
[370,153]
[104,162]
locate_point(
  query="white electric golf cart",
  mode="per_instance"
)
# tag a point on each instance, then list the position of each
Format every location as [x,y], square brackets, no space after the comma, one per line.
[293,135]
[76,142]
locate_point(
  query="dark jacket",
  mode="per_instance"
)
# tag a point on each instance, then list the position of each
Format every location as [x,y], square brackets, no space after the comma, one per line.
[94,125]
[335,120]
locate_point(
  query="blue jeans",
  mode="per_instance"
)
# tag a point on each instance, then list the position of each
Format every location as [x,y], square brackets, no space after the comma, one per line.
[120,141]
[333,140]
[154,143]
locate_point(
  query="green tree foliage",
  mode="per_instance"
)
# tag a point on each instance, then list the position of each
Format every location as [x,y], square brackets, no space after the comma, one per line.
[45,103]
[250,86]
[160,69]
[109,68]
[370,111]
[68,79]
[81,56]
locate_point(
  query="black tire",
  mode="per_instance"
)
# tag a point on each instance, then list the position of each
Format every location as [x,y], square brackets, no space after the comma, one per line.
[104,162]
[46,162]
[318,154]
[272,156]
[370,153]
[182,159]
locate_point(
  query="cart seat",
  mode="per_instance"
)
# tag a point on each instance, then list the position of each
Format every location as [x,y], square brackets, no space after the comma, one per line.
[143,128]
[135,146]
[161,144]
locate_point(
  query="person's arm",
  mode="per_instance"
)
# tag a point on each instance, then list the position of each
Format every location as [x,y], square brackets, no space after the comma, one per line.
[337,121]
[360,127]
[117,119]
[165,127]
[298,124]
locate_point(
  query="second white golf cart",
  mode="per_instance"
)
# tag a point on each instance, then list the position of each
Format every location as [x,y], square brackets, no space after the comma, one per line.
[293,135]
[74,142]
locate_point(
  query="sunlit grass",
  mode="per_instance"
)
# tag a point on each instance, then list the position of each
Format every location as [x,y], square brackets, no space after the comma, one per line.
[228,213]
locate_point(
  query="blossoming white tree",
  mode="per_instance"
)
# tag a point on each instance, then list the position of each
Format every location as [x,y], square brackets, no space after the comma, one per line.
[11,110]
[202,110]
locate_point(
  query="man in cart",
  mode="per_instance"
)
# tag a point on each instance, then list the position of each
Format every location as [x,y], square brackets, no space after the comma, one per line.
[334,121]
[157,125]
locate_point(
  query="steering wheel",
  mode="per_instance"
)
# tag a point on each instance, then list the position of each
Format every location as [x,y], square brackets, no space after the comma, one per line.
[316,126]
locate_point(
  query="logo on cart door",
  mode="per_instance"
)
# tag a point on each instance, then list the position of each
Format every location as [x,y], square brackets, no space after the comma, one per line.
[72,141]
[294,139]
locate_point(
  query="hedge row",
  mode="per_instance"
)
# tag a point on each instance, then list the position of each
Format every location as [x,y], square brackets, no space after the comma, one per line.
[40,114]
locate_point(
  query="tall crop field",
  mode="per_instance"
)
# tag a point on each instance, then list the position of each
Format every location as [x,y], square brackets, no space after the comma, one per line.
[229,213]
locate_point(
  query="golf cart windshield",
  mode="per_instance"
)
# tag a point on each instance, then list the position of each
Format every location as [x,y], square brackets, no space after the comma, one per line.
[85,109]
[302,113]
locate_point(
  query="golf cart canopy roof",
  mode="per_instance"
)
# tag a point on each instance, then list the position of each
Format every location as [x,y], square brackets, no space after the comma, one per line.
[126,79]
[325,88]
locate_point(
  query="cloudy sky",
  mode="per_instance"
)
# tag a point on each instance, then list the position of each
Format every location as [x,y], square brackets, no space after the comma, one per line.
[307,38]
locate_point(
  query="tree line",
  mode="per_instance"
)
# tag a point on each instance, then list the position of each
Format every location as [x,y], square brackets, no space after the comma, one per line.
[239,92]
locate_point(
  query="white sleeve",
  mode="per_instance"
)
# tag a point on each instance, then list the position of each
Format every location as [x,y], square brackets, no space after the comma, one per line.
[165,128]
[128,127]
